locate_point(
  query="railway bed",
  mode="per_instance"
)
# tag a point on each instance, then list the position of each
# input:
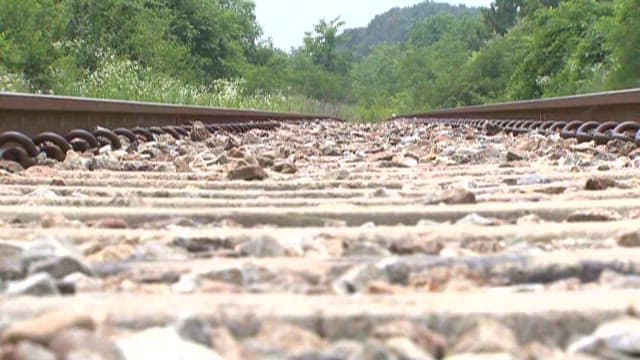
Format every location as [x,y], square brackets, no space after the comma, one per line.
[319,239]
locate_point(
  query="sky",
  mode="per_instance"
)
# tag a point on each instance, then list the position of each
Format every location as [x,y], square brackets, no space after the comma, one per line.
[285,21]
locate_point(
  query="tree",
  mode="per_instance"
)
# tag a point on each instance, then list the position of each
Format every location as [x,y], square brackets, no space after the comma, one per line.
[266,69]
[379,83]
[7,52]
[318,69]
[468,29]
[220,33]
[503,14]
[626,44]
[132,29]
[393,27]
[322,46]
[32,27]
[564,45]
[486,76]
[430,31]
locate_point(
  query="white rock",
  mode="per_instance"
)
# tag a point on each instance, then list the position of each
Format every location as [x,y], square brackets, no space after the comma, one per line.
[84,283]
[490,356]
[404,348]
[533,179]
[41,284]
[42,194]
[162,344]
[356,279]
[475,219]
[73,161]
[621,335]
[186,285]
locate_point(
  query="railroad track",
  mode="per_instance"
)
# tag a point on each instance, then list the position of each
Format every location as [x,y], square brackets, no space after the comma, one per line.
[598,117]
[83,124]
[429,236]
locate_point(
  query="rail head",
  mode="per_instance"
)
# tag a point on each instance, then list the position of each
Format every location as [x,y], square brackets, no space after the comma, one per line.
[619,106]
[64,104]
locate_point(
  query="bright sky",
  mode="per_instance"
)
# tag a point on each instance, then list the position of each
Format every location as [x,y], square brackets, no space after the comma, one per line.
[285,21]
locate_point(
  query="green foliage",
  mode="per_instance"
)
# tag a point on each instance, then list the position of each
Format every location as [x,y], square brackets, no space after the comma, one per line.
[7,53]
[565,47]
[504,14]
[517,49]
[10,81]
[267,70]
[220,33]
[424,73]
[468,29]
[32,27]
[394,26]
[129,28]
[626,44]
[120,78]
[318,69]
[488,72]
[418,58]
[196,40]
[321,46]
[432,30]
[379,85]
[179,51]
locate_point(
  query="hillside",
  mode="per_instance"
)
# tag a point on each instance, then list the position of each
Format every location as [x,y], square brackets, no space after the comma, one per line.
[393,26]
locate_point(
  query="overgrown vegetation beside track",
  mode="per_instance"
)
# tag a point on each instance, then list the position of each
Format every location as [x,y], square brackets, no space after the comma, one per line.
[425,57]
[518,49]
[187,52]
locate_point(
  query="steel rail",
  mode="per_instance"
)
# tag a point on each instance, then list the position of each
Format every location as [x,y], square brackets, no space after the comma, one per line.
[32,114]
[599,117]
[53,125]
[616,106]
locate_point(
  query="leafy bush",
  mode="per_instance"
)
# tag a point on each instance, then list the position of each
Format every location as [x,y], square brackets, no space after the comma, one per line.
[11,82]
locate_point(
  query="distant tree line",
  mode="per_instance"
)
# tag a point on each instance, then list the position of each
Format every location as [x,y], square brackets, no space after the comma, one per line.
[514,50]
[213,53]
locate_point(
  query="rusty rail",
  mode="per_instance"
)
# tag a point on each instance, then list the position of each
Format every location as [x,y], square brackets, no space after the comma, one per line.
[600,117]
[34,124]
[617,106]
[32,114]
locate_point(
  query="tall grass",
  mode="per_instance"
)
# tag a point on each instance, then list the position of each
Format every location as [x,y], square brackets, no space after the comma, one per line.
[11,82]
[118,78]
